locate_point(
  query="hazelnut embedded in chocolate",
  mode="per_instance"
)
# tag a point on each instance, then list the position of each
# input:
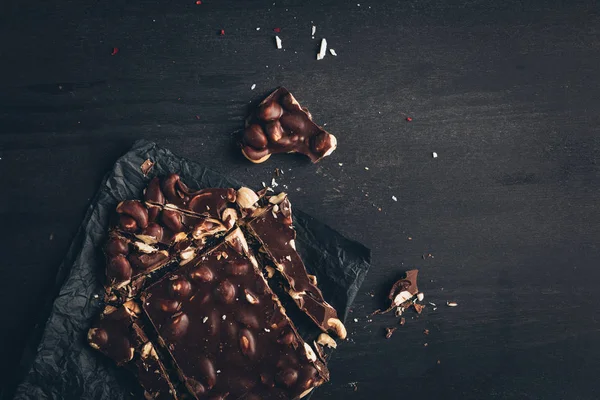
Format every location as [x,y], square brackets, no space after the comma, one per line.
[255,137]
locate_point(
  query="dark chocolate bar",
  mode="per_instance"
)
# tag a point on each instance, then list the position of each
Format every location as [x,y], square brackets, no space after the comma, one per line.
[281,125]
[273,229]
[227,332]
[118,334]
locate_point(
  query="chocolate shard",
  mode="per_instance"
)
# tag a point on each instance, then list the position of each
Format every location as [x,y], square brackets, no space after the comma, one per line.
[273,229]
[227,332]
[281,125]
[119,335]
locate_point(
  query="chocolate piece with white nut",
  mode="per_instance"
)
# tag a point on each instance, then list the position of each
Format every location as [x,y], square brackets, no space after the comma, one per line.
[171,193]
[227,332]
[404,289]
[281,125]
[273,229]
[118,335]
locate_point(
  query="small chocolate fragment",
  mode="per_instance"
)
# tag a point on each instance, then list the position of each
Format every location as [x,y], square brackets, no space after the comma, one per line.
[281,125]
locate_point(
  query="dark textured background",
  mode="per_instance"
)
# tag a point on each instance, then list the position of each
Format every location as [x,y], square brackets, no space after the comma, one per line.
[505,92]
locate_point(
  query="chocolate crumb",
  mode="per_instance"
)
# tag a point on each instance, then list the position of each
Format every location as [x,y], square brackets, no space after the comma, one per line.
[146,166]
[389,332]
[426,331]
[402,321]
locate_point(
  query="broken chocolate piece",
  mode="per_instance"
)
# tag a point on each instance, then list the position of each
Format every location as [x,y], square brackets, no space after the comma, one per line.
[281,125]
[273,229]
[117,333]
[229,333]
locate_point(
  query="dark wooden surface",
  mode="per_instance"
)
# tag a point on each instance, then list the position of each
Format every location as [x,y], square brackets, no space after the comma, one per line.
[505,92]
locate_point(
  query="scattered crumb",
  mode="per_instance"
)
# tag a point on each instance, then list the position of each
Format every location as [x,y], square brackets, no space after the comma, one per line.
[95,296]
[389,332]
[258,29]
[323,50]
[402,321]
[426,332]
[353,385]
[366,168]
[434,154]
[204,320]
[409,238]
[222,32]
[263,184]
[278,42]
[51,236]
[355,319]
[425,344]
[340,164]
[224,317]
[114,52]
[273,183]
[313,31]
[451,304]
[253,86]
[429,255]
[438,362]
[432,304]
[277,30]
[218,371]
[146,166]
[332,52]
[408,119]
[394,198]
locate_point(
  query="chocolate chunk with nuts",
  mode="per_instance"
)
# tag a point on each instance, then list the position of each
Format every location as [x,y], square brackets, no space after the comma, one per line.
[281,125]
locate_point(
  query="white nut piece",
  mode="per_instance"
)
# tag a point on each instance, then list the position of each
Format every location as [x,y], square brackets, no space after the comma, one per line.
[187,254]
[338,327]
[307,391]
[312,279]
[310,353]
[277,198]
[147,238]
[144,248]
[246,198]
[326,340]
[270,271]
[420,296]
[147,350]
[229,217]
[292,244]
[252,299]
[402,297]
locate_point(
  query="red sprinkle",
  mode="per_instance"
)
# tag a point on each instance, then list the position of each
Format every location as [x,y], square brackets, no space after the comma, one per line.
[114,52]
[277,30]
[408,119]
[222,32]
[198,2]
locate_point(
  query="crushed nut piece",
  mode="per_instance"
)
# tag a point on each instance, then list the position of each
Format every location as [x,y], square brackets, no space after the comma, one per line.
[389,332]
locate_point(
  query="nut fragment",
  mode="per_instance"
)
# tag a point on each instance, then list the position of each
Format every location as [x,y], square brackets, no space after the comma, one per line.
[270,271]
[338,327]
[310,353]
[402,297]
[247,343]
[252,299]
[229,217]
[144,248]
[451,304]
[277,198]
[246,198]
[307,391]
[312,279]
[326,340]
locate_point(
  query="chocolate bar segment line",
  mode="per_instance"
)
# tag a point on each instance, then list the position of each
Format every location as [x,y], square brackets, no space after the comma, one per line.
[226,331]
[281,125]
[273,229]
